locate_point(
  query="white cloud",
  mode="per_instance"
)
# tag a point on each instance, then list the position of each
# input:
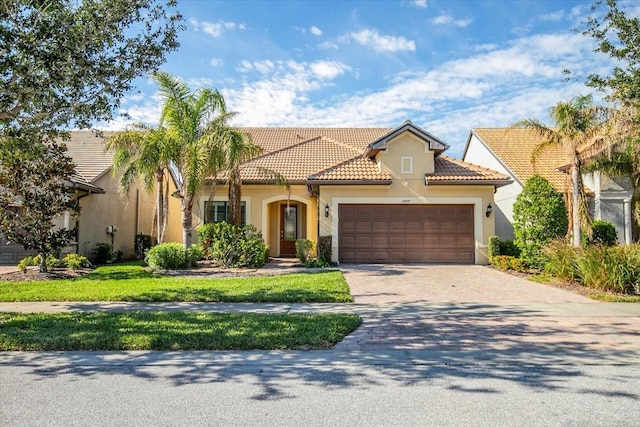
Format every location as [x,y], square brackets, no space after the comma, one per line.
[315,31]
[328,45]
[281,93]
[328,69]
[380,43]
[495,86]
[444,19]
[215,29]
[216,62]
[558,15]
[420,4]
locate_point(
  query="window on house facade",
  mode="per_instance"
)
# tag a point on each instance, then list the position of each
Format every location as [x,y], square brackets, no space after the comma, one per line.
[219,211]
[406,165]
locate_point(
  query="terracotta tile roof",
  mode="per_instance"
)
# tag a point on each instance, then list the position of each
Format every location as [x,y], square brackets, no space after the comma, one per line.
[448,169]
[87,152]
[275,138]
[359,169]
[297,161]
[514,147]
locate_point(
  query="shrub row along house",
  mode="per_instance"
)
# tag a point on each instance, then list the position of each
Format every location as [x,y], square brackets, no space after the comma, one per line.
[383,195]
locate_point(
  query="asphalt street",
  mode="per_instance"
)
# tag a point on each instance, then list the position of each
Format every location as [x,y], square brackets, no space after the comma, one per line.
[319,388]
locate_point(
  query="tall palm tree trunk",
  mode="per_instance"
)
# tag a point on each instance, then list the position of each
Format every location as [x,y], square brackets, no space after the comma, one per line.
[575,204]
[235,199]
[187,220]
[160,205]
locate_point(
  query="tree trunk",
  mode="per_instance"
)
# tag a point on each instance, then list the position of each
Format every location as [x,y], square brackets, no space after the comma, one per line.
[187,220]
[235,202]
[42,265]
[575,208]
[160,205]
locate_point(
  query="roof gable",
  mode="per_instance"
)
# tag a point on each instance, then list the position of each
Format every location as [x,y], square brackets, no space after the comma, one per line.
[88,153]
[435,144]
[514,148]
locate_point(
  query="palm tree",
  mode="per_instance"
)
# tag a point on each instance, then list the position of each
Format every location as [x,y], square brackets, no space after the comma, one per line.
[618,152]
[238,147]
[577,123]
[195,122]
[143,153]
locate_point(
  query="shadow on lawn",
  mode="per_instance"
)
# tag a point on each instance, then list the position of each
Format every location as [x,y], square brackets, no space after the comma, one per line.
[461,344]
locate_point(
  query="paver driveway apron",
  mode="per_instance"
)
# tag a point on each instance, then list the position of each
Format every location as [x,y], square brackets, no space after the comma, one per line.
[476,308]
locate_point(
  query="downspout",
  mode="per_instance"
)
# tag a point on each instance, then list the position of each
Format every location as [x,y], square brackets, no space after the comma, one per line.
[137,215]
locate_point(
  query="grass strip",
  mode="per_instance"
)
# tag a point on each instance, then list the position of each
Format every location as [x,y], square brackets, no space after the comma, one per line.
[131,282]
[614,298]
[172,331]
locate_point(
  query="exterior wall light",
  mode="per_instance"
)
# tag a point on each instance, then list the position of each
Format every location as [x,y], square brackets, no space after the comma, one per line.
[326,210]
[489,210]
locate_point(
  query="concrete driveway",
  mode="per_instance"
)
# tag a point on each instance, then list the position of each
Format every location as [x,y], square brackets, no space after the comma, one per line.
[479,310]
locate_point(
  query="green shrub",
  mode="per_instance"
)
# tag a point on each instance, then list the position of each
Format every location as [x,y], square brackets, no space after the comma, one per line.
[561,260]
[172,256]
[604,233]
[50,262]
[493,249]
[508,247]
[539,216]
[324,249]
[101,253]
[75,261]
[304,248]
[24,263]
[506,262]
[141,244]
[233,246]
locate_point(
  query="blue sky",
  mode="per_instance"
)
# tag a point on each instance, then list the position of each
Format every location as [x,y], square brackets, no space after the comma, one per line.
[448,66]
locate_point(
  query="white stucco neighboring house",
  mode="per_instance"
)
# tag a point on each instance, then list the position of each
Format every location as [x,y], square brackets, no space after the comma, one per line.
[510,151]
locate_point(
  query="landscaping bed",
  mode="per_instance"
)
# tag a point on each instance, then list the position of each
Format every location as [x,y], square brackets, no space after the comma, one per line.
[172,331]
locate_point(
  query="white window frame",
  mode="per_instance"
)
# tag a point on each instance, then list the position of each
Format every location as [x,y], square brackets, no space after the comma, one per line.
[403,163]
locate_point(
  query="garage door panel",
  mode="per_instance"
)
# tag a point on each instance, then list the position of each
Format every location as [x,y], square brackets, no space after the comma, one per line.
[406,233]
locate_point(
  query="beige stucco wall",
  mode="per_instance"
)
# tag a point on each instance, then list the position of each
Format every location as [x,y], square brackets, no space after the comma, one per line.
[132,213]
[263,212]
[408,187]
[410,147]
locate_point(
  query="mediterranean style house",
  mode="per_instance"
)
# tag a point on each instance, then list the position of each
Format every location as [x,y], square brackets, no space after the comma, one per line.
[510,151]
[383,195]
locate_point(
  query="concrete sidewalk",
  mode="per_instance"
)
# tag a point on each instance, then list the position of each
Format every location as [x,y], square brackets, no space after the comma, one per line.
[560,328]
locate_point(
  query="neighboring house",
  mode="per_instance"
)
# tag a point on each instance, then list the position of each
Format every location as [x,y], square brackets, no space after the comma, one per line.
[510,151]
[11,253]
[383,195]
[130,213]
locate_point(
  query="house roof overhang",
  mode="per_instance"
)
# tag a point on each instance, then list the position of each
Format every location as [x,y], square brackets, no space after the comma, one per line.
[350,182]
[435,144]
[494,183]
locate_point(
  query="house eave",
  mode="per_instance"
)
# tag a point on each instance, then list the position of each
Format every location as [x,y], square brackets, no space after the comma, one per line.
[493,183]
[350,182]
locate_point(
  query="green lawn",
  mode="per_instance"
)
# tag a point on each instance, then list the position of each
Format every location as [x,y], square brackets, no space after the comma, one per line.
[131,282]
[172,331]
[602,296]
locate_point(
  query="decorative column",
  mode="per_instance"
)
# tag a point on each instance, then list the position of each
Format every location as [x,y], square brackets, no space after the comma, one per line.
[627,221]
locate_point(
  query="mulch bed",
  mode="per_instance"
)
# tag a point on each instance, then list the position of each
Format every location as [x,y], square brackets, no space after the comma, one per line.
[571,287]
[34,275]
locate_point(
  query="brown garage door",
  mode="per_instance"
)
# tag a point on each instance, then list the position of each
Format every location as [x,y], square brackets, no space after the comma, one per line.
[406,233]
